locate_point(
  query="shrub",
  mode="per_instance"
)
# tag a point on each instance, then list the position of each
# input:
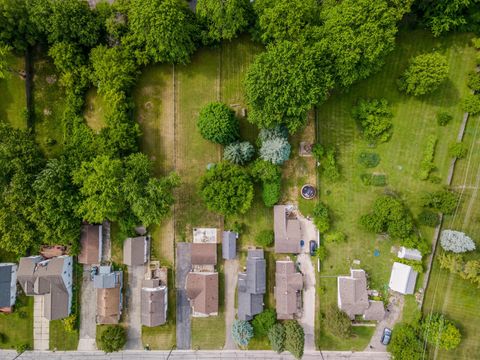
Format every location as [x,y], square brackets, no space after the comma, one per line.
[476,43]
[416,242]
[217,123]
[458,150]
[424,74]
[456,241]
[276,150]
[321,253]
[239,227]
[321,217]
[113,338]
[239,153]
[443,118]
[70,323]
[473,81]
[294,338]
[3,338]
[242,332]
[329,165]
[471,104]
[374,118]
[374,179]
[318,152]
[406,344]
[441,332]
[264,238]
[272,133]
[443,201]
[335,237]
[369,159]
[416,265]
[271,192]
[427,165]
[263,322]
[428,218]
[276,336]
[265,171]
[337,322]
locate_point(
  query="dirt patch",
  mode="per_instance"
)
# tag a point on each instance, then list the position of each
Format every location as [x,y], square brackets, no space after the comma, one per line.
[51,79]
[148,105]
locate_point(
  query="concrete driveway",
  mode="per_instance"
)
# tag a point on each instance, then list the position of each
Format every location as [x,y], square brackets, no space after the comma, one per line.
[41,326]
[231,276]
[183,266]
[88,303]
[136,274]
[308,316]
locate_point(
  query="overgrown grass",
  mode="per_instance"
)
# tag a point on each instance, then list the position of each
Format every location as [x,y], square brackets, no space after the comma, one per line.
[94,111]
[18,326]
[12,100]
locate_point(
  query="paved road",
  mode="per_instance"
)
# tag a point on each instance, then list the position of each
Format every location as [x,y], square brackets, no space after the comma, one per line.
[231,275]
[87,312]
[193,355]
[183,265]
[308,317]
[136,274]
[41,326]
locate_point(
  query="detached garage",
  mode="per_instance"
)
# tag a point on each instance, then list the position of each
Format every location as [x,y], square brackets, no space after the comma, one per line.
[403,278]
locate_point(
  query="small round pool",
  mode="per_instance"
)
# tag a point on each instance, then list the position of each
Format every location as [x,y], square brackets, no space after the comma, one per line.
[308,191]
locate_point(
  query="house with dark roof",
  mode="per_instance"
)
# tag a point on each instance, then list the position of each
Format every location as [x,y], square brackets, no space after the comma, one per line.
[352,297]
[136,251]
[8,286]
[91,244]
[109,285]
[252,285]
[229,245]
[52,279]
[288,290]
[154,303]
[202,291]
[287,230]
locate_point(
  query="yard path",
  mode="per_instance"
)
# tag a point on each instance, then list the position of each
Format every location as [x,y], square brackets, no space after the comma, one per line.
[183,328]
[308,316]
[41,326]
[231,272]
[136,274]
[87,312]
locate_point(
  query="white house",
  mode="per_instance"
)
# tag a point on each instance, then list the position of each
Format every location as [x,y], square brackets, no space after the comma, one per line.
[403,278]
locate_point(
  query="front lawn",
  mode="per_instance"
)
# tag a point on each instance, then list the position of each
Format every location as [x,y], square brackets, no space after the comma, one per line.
[17,328]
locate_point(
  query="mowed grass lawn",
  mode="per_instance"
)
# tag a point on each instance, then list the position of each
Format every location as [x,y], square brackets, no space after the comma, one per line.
[414,120]
[17,328]
[12,95]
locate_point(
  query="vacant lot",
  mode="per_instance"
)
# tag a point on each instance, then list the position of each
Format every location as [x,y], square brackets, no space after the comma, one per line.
[12,95]
[414,119]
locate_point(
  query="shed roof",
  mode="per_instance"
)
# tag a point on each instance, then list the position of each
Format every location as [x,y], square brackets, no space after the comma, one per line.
[204,253]
[229,245]
[287,231]
[91,244]
[288,284]
[202,290]
[403,278]
[154,305]
[135,251]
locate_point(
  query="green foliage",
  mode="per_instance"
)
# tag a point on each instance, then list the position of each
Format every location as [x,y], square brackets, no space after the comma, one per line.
[374,118]
[335,237]
[443,201]
[416,265]
[294,338]
[476,43]
[441,332]
[424,74]
[263,322]
[369,159]
[471,104]
[162,30]
[328,165]
[264,238]
[428,218]
[276,336]
[275,150]
[227,189]
[318,151]
[239,153]
[283,84]
[443,118]
[4,67]
[416,242]
[337,322]
[321,252]
[473,81]
[427,165]
[406,344]
[374,179]
[16,29]
[389,215]
[242,332]
[321,217]
[271,192]
[66,56]
[70,323]
[223,20]
[265,171]
[218,124]
[22,347]
[113,338]
[458,150]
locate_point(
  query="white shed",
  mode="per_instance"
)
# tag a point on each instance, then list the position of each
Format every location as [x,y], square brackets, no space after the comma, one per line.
[409,254]
[403,278]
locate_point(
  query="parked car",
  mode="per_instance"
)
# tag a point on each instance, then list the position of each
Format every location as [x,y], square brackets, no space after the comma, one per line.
[313,247]
[386,336]
[93,272]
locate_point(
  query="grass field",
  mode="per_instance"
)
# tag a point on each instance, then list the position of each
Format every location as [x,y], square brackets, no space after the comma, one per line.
[12,95]
[94,111]
[18,326]
[413,121]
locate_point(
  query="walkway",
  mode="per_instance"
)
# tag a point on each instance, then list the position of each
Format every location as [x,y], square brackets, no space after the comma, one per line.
[308,316]
[183,266]
[87,312]
[41,326]
[136,274]
[231,275]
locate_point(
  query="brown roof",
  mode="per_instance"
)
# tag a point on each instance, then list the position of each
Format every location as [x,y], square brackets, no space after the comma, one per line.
[154,306]
[287,231]
[135,251]
[90,244]
[288,284]
[204,253]
[375,311]
[352,293]
[108,305]
[202,290]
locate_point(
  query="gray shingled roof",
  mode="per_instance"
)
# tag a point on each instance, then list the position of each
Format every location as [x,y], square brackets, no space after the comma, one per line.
[287,232]
[154,306]
[106,278]
[5,284]
[135,251]
[252,286]
[288,284]
[229,245]
[90,243]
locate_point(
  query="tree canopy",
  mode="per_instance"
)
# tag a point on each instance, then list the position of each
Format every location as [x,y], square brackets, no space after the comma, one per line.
[113,338]
[441,332]
[217,123]
[406,344]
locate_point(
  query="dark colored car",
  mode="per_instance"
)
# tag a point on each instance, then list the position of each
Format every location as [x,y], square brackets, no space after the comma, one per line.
[386,336]
[93,272]
[313,247]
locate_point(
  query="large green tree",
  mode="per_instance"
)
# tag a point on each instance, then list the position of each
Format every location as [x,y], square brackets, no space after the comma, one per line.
[441,332]
[406,343]
[16,29]
[294,338]
[217,123]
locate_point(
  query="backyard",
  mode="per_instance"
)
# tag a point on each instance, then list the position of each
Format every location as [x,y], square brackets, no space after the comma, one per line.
[414,119]
[12,100]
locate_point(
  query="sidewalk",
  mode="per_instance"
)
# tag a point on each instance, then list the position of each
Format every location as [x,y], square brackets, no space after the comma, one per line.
[41,326]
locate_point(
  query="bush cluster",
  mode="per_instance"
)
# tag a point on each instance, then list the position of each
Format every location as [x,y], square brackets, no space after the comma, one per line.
[443,118]
[264,238]
[427,165]
[321,217]
[270,176]
[217,123]
[337,322]
[428,218]
[456,241]
[456,264]
[444,201]
[369,159]
[458,150]
[374,118]
[374,179]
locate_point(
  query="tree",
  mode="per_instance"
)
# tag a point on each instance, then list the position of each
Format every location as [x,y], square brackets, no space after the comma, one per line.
[263,322]
[227,189]
[471,104]
[162,30]
[265,171]
[424,74]
[16,29]
[242,332]
[443,201]
[321,217]
[458,150]
[321,253]
[264,238]
[443,118]
[283,84]
[441,332]
[375,119]
[428,218]
[471,271]
[473,81]
[217,123]
[276,336]
[223,20]
[294,338]
[4,67]
[239,153]
[275,150]
[456,241]
[406,344]
[337,322]
[66,56]
[113,338]
[451,262]
[271,192]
